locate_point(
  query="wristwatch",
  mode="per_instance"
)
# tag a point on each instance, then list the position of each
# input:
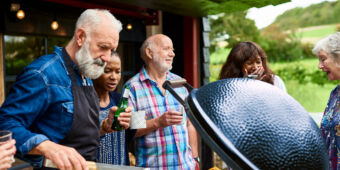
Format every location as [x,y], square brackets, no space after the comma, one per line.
[197,159]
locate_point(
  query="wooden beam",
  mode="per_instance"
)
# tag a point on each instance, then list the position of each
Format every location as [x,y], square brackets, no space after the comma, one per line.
[116,8]
[2,71]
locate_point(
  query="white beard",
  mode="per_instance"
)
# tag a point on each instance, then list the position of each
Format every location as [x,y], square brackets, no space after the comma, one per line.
[161,65]
[91,68]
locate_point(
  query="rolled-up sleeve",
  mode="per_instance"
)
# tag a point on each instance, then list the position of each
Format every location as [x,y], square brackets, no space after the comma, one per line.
[27,100]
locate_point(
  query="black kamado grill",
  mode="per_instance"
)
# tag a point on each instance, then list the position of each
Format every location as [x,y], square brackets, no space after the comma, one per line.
[251,124]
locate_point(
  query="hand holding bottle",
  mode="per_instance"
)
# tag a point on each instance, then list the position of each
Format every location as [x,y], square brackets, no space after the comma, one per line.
[123,119]
[117,123]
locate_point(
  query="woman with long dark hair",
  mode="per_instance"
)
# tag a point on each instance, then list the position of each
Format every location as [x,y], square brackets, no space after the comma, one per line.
[247,59]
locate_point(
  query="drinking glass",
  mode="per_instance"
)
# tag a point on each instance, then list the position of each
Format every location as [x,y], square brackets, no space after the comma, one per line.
[5,136]
[182,111]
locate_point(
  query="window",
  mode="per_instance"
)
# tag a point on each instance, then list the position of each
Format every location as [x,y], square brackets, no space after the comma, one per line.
[22,50]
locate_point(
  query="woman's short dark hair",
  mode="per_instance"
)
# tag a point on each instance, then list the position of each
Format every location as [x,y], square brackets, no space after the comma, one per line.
[239,54]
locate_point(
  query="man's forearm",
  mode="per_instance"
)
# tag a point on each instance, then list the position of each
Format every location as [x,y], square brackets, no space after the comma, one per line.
[193,139]
[41,148]
[151,125]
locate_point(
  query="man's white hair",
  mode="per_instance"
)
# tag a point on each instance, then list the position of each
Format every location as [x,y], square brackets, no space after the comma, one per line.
[91,18]
[330,45]
[148,43]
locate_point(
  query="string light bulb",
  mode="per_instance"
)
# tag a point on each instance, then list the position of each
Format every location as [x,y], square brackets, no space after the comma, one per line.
[129,26]
[15,7]
[20,14]
[54,25]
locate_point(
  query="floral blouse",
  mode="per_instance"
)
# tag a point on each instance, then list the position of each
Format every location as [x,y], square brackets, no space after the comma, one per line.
[330,128]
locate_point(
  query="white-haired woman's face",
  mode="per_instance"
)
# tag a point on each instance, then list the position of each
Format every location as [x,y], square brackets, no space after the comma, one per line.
[329,66]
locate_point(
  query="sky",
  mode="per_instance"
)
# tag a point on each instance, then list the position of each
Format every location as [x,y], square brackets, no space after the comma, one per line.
[266,15]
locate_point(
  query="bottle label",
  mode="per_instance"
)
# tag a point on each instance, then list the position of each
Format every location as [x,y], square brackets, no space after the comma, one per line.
[121,108]
[126,93]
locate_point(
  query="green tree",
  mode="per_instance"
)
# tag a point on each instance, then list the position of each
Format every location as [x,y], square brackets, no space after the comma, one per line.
[20,51]
[237,26]
[317,14]
[280,45]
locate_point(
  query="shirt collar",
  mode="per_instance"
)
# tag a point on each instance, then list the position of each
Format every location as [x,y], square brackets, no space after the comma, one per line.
[74,66]
[145,76]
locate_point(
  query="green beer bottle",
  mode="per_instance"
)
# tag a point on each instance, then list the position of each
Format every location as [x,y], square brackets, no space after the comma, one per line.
[123,104]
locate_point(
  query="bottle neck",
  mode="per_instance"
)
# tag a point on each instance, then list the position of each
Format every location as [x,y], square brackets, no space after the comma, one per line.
[122,101]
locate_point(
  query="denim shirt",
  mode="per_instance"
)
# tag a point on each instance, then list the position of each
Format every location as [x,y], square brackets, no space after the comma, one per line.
[39,106]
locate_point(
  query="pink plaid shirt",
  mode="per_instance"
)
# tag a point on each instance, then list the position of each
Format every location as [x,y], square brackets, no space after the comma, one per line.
[165,148]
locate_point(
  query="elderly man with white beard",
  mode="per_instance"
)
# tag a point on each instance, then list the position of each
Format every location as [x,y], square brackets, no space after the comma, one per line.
[52,108]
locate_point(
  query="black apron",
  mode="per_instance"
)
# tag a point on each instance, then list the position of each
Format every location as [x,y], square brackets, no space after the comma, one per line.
[84,133]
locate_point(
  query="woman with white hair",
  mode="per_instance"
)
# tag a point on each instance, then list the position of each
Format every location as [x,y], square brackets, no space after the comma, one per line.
[328,52]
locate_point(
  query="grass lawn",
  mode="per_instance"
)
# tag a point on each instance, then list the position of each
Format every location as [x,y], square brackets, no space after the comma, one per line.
[219,56]
[215,70]
[315,33]
[310,32]
[312,97]
[311,63]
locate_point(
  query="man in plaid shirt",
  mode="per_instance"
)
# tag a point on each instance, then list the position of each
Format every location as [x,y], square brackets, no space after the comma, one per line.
[169,140]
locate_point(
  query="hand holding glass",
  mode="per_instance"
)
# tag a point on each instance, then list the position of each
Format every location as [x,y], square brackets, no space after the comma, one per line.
[7,149]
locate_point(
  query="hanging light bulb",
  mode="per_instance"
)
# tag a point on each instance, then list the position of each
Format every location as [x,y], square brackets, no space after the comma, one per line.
[129,26]
[20,14]
[15,7]
[54,25]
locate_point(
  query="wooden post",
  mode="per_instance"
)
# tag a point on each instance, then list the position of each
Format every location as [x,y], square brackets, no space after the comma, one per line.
[191,51]
[2,71]
[155,29]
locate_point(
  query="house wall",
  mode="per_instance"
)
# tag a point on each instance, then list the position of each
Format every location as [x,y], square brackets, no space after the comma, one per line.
[40,14]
